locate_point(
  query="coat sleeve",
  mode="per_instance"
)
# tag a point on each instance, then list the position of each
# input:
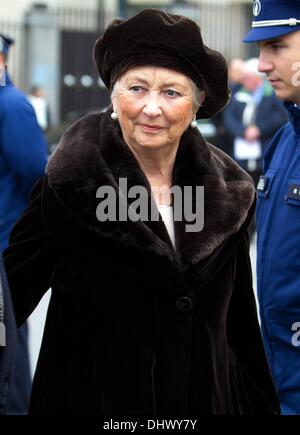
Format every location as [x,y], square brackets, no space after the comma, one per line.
[30,258]
[252,372]
[6,352]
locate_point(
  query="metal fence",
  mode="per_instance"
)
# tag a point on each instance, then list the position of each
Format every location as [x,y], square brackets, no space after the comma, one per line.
[69,19]
[223,27]
[81,90]
[79,19]
[84,19]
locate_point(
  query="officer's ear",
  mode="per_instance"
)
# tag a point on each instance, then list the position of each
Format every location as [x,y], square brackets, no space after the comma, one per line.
[2,58]
[2,69]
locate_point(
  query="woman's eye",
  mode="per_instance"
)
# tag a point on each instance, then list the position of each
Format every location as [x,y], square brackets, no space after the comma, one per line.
[172,93]
[137,89]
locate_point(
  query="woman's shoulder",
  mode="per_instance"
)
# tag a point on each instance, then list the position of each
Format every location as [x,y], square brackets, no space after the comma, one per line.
[83,128]
[76,150]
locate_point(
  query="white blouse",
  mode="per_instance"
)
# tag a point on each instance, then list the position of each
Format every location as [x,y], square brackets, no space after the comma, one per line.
[166,213]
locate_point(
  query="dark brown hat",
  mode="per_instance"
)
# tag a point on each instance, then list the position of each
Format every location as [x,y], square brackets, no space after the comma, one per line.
[154,37]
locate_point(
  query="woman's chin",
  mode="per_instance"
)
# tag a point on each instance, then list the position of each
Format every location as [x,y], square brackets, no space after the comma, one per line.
[150,141]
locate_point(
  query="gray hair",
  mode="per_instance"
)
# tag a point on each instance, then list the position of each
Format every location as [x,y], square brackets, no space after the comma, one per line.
[197,95]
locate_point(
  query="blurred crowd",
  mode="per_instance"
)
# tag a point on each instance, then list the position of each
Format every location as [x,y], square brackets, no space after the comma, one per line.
[242,130]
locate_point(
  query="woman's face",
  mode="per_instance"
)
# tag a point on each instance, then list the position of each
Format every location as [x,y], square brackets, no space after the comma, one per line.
[155,106]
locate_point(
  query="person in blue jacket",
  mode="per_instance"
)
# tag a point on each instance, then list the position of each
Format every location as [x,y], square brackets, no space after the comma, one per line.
[276,29]
[8,336]
[245,117]
[23,157]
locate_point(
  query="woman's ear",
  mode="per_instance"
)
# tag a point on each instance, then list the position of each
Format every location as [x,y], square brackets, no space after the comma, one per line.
[113,102]
[113,96]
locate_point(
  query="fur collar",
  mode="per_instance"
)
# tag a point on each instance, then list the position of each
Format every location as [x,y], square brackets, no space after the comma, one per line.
[92,153]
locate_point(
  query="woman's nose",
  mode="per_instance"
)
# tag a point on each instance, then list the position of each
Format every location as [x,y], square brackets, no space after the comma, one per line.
[152,105]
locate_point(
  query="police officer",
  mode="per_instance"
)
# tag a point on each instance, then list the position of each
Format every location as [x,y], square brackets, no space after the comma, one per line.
[22,161]
[276,29]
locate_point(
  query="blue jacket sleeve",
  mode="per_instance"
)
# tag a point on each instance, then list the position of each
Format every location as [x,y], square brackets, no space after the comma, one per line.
[23,144]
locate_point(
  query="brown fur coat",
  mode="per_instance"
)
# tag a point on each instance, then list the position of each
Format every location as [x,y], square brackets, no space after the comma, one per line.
[134,326]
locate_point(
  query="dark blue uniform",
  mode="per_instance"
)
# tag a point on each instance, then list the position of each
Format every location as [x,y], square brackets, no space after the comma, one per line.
[278,261]
[23,157]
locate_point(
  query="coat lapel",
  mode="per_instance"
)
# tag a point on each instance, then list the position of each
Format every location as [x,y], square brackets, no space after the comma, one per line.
[92,154]
[228,196]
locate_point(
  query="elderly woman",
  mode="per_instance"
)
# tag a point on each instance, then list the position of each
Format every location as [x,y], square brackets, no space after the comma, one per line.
[147,316]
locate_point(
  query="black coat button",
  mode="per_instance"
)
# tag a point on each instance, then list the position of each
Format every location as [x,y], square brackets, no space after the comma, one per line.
[184,303]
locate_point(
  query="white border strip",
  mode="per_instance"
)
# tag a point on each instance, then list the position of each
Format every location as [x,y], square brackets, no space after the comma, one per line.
[269,23]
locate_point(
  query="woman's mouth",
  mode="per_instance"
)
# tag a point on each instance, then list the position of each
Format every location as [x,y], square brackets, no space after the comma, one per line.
[150,128]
